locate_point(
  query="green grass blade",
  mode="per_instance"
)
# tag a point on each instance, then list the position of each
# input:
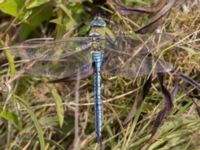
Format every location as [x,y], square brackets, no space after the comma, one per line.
[59,106]
[10,116]
[11,62]
[35,121]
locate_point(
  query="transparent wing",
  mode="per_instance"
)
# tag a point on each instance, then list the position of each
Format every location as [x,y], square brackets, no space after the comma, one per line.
[67,67]
[128,56]
[48,49]
[55,59]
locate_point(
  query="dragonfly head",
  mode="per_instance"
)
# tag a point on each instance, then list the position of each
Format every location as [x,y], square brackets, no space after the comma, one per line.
[98,22]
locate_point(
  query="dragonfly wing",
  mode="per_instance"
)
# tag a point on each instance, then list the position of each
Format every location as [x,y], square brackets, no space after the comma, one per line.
[56,59]
[142,43]
[130,57]
[65,67]
[134,66]
[48,49]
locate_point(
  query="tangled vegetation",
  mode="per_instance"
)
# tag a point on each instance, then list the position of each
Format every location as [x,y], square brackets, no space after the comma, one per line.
[158,112]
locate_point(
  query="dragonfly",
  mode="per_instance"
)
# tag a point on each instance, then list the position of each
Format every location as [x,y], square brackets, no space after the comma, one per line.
[120,55]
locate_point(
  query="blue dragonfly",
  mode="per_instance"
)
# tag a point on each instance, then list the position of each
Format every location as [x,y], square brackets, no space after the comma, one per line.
[120,55]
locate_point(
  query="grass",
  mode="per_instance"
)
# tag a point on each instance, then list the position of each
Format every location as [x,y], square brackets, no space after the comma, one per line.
[38,115]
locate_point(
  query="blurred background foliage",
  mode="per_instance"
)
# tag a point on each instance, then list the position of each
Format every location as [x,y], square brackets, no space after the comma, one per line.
[36,115]
[39,18]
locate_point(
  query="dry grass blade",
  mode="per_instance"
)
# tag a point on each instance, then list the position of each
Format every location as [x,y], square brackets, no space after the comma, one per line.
[77,99]
[147,87]
[194,84]
[157,18]
[197,107]
[139,100]
[161,9]
[19,74]
[188,80]
[174,90]
[128,10]
[198,110]
[167,107]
